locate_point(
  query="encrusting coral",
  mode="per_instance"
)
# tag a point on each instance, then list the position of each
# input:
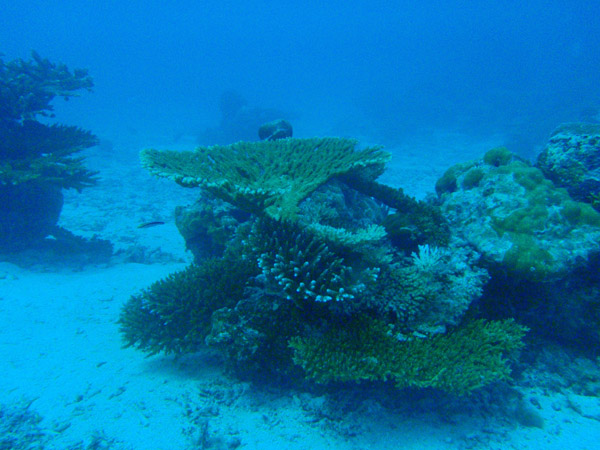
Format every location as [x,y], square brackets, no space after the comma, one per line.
[516,218]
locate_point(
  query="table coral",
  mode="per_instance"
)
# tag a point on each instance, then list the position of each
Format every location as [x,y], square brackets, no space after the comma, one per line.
[269,177]
[471,356]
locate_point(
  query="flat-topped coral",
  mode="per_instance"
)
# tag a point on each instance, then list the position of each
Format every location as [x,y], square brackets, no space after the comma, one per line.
[471,356]
[33,151]
[37,160]
[517,218]
[269,177]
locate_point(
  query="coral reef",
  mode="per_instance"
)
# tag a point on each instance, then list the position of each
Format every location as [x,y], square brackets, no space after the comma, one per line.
[321,272]
[516,218]
[570,159]
[37,160]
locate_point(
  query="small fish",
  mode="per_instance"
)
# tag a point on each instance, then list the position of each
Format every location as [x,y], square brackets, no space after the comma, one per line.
[150,224]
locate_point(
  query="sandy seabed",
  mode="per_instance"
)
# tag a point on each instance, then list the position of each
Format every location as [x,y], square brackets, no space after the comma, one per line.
[63,364]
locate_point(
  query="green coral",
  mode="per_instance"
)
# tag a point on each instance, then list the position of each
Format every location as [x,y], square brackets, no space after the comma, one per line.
[499,156]
[415,222]
[469,357]
[253,336]
[31,151]
[448,182]
[27,88]
[472,178]
[174,314]
[34,152]
[348,221]
[268,177]
[517,218]
[321,292]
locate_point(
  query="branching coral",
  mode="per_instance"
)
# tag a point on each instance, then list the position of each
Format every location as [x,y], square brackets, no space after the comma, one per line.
[174,314]
[28,87]
[30,150]
[302,267]
[430,292]
[269,177]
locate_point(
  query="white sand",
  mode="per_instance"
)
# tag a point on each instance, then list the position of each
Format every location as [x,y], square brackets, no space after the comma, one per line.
[60,348]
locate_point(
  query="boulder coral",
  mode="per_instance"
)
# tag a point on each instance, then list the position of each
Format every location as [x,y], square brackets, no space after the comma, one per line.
[517,218]
[571,159]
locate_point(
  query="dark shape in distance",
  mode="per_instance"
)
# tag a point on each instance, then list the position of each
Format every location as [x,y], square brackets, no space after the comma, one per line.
[277,129]
[150,224]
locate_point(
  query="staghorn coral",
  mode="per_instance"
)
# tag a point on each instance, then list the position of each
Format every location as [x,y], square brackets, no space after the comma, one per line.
[467,358]
[270,177]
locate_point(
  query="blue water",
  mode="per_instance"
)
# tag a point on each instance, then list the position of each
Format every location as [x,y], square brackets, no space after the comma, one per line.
[388,68]
[506,72]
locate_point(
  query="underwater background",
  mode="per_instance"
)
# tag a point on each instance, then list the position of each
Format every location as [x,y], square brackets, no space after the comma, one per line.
[375,68]
[428,280]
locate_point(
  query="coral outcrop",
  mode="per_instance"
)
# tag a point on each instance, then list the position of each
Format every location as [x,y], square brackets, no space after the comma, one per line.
[37,160]
[571,159]
[517,218]
[318,271]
